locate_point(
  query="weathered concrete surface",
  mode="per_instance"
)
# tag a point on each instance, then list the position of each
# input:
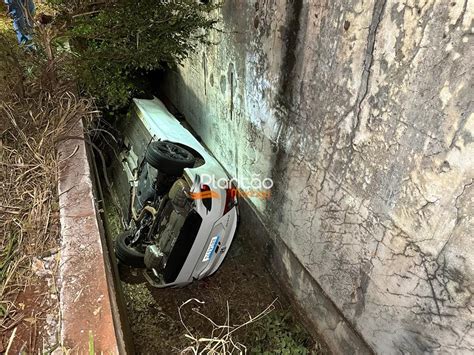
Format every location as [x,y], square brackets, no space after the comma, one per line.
[314,307]
[85,303]
[362,113]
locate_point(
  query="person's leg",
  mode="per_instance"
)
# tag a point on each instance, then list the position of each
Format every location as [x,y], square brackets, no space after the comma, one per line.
[19,34]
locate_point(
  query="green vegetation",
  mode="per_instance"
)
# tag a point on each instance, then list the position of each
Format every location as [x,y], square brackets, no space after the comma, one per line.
[91,343]
[278,333]
[26,71]
[123,41]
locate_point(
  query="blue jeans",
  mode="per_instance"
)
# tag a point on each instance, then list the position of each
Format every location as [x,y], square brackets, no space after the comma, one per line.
[22,13]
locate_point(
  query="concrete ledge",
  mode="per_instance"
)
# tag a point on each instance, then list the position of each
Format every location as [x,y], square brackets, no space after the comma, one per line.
[315,308]
[85,304]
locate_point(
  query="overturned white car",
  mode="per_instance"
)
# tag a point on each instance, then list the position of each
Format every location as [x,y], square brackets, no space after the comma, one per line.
[180,229]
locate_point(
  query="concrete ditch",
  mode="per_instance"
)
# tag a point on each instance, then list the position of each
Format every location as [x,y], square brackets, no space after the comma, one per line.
[89,313]
[243,283]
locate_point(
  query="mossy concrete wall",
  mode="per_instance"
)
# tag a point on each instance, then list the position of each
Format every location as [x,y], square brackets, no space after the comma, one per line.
[362,114]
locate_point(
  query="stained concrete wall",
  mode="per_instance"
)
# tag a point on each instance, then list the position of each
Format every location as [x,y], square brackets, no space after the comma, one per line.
[362,113]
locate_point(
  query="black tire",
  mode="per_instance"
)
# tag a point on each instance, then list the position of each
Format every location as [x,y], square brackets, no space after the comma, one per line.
[127,254]
[169,158]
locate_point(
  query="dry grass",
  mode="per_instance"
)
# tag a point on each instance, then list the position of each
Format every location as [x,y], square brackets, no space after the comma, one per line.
[220,341]
[35,114]
[29,219]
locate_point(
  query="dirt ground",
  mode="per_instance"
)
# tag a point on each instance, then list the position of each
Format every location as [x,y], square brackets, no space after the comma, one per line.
[34,325]
[243,282]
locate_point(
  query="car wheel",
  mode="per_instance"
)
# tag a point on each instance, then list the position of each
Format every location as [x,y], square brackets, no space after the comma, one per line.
[126,253]
[169,158]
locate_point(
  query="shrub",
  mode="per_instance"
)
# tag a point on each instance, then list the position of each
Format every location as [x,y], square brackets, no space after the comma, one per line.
[126,39]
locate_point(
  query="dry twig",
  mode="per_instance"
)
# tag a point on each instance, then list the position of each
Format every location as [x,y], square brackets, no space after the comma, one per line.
[221,339]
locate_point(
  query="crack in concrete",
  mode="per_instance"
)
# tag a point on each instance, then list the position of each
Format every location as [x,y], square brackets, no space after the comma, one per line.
[379,8]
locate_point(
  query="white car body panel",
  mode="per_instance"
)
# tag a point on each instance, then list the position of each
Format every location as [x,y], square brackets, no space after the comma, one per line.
[160,124]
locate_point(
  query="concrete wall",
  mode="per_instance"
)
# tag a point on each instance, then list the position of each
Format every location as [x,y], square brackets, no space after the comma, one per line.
[362,114]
